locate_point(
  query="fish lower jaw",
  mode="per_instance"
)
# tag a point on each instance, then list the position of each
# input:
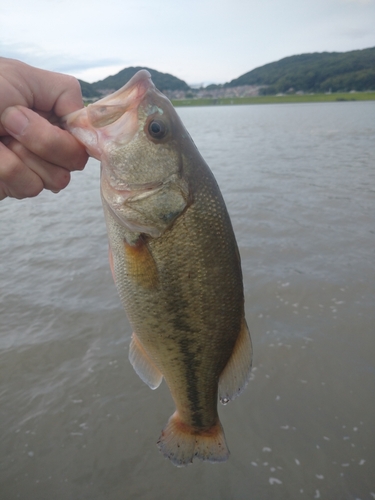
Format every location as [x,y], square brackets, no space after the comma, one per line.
[117,197]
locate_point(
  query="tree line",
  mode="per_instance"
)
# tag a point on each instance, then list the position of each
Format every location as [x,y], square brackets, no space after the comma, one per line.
[316,72]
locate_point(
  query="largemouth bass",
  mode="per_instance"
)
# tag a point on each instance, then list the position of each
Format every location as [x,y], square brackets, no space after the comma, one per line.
[174,260]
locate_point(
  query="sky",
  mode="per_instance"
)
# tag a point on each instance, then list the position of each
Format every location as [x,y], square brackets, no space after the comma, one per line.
[199,41]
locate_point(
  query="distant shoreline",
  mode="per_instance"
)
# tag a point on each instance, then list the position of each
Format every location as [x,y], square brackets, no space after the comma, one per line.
[278,99]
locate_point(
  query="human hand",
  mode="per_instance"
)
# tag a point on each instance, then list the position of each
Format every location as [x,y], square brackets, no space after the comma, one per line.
[35,154]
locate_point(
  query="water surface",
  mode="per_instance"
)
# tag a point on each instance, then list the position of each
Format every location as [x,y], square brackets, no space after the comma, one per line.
[75,420]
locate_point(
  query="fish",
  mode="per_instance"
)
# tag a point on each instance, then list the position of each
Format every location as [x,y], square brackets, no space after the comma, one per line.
[174,260]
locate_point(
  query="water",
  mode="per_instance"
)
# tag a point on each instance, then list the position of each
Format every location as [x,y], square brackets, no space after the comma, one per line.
[75,420]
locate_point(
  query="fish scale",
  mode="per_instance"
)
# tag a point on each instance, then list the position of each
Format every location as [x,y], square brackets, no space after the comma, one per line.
[175,262]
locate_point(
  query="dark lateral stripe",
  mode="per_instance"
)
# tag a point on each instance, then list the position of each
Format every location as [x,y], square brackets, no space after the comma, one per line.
[191,369]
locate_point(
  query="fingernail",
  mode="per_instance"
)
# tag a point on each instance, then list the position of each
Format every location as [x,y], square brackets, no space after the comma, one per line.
[14,121]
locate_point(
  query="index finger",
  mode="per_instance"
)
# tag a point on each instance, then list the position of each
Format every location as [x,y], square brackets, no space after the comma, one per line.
[38,89]
[62,94]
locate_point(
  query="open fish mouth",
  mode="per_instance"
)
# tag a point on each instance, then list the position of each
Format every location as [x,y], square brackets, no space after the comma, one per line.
[109,109]
[111,120]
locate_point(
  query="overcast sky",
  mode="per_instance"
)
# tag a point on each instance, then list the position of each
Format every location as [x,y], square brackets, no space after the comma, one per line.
[199,41]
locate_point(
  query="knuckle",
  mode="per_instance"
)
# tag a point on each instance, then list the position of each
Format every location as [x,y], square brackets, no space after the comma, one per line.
[70,89]
[60,180]
[10,172]
[16,147]
[10,184]
[3,192]
[32,190]
[75,156]
[80,160]
[72,83]
[46,145]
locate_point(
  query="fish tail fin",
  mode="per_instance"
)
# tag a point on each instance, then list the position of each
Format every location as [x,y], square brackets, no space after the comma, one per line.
[181,443]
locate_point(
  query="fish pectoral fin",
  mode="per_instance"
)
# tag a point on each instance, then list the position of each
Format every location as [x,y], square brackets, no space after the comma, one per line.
[236,374]
[140,264]
[143,365]
[181,443]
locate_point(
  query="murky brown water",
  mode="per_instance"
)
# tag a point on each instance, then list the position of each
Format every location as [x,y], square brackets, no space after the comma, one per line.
[75,420]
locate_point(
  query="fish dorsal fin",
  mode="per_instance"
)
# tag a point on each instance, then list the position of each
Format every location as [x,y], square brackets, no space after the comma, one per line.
[143,365]
[236,374]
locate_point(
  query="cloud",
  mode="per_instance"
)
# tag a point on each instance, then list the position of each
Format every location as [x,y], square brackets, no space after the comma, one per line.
[361,2]
[196,40]
[60,62]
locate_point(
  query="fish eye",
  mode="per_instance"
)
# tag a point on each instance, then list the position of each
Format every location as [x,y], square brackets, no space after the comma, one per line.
[157,129]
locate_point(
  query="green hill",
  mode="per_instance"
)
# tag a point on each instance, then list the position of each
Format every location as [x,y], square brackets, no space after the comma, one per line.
[317,72]
[163,81]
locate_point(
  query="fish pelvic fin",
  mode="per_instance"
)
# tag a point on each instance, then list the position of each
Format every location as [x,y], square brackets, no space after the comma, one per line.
[181,443]
[143,364]
[236,374]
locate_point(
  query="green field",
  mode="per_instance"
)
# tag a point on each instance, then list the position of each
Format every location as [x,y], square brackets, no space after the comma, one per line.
[273,99]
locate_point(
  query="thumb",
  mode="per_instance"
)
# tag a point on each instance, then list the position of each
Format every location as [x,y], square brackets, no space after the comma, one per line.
[45,140]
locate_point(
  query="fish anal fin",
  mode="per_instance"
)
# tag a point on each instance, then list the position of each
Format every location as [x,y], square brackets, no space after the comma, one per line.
[140,264]
[181,443]
[143,365]
[236,374]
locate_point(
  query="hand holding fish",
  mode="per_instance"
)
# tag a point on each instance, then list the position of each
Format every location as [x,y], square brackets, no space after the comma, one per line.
[34,153]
